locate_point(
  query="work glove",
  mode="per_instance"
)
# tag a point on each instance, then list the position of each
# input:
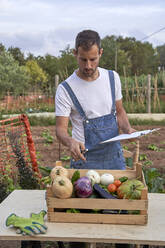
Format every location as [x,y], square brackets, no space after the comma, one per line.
[28,226]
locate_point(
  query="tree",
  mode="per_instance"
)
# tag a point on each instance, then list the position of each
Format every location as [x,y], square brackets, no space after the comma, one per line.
[37,77]
[63,65]
[2,48]
[50,65]
[161,53]
[113,56]
[67,63]
[17,54]
[13,78]
[143,56]
[30,56]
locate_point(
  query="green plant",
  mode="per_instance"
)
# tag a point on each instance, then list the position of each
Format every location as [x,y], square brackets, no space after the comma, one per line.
[154,181]
[138,121]
[142,157]
[8,181]
[67,166]
[125,147]
[154,148]
[27,178]
[129,162]
[148,162]
[3,188]
[47,136]
[65,158]
[42,121]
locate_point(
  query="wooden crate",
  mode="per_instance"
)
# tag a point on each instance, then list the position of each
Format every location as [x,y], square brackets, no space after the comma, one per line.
[57,207]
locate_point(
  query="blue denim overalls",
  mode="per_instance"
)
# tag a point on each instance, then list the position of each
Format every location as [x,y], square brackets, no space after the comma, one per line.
[99,156]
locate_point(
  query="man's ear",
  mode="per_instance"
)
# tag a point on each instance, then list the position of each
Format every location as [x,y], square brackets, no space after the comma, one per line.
[101,52]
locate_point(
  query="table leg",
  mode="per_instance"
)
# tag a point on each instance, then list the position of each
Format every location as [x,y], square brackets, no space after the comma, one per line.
[92,245]
[60,244]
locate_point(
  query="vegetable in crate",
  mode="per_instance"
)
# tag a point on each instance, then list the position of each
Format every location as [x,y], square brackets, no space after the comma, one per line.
[123,179]
[117,182]
[102,192]
[112,188]
[75,176]
[106,179]
[83,187]
[62,187]
[131,189]
[58,171]
[93,176]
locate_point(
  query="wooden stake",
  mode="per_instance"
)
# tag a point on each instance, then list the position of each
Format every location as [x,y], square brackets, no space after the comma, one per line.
[136,154]
[156,97]
[149,94]
[126,85]
[56,81]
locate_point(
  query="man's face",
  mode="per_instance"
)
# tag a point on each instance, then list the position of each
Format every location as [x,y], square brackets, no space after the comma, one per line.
[88,61]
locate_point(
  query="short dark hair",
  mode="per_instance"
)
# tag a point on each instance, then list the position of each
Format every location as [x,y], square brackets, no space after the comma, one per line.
[86,39]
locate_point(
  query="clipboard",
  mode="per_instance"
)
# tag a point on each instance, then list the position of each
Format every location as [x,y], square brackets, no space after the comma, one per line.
[130,136]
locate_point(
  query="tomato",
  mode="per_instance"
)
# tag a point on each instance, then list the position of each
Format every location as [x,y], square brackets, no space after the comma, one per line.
[112,188]
[117,183]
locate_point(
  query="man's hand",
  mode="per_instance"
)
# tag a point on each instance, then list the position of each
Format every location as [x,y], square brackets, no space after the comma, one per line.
[131,130]
[77,149]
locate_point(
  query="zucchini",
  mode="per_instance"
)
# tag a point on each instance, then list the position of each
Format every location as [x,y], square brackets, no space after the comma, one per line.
[102,192]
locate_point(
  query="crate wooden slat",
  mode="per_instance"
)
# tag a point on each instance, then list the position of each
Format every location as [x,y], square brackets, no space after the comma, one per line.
[129,219]
[97,203]
[57,207]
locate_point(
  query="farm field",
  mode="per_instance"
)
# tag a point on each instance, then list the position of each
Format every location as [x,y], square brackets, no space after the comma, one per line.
[152,147]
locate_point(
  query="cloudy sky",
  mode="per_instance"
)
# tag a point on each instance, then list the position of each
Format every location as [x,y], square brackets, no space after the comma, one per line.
[48,26]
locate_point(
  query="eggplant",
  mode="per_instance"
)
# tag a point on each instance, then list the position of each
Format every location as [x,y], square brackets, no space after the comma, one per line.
[102,192]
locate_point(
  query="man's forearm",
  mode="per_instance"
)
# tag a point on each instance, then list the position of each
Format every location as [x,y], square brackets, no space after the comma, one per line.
[63,137]
[123,121]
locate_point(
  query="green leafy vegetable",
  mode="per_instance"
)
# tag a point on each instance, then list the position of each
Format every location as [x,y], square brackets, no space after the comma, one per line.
[123,179]
[75,176]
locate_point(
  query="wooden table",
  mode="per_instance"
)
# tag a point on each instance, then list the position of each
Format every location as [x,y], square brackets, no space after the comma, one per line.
[23,202]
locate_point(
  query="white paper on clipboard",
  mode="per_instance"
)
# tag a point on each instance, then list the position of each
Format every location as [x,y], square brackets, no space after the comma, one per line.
[130,136]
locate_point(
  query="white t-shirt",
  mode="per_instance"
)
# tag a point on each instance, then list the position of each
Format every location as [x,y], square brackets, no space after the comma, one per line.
[94,97]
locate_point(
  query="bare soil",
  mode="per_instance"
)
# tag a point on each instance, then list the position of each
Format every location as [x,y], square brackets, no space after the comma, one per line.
[48,153]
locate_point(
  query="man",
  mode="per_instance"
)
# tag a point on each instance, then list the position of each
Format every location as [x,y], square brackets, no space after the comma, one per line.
[91,98]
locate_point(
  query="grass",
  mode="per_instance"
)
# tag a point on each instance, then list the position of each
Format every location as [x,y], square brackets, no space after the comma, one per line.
[48,121]
[42,121]
[51,121]
[151,122]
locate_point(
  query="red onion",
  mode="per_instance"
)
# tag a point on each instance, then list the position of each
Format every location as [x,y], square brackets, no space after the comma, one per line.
[83,187]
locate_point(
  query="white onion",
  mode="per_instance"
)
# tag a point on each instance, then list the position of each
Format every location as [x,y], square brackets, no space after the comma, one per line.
[93,176]
[106,179]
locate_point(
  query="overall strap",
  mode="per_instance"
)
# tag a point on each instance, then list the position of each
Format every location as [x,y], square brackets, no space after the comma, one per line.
[112,86]
[74,99]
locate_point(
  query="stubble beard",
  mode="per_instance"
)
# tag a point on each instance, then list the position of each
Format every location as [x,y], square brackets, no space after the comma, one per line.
[89,72]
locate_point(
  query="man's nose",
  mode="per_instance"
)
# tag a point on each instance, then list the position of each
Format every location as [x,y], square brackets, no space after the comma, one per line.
[88,64]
